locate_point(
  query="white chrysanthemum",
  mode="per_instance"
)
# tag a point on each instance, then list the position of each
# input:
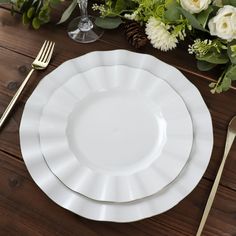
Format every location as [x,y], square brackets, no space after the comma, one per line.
[159,35]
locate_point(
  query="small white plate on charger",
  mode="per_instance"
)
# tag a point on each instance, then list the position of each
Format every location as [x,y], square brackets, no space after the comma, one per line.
[155,204]
[116,133]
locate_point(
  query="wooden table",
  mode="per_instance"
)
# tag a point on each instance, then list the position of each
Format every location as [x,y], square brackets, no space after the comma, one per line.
[26,210]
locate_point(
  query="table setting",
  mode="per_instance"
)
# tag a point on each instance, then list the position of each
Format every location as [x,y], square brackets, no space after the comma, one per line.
[110,135]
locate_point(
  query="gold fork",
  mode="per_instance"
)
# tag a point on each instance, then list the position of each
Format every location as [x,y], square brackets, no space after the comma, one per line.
[229,141]
[41,62]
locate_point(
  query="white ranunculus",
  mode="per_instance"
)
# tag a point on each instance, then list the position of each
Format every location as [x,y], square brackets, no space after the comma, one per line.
[195,6]
[223,24]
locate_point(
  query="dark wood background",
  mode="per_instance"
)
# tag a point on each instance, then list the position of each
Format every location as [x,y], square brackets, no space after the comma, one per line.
[26,210]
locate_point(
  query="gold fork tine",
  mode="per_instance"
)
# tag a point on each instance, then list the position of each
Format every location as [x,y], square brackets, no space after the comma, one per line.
[44,51]
[41,50]
[44,59]
[50,53]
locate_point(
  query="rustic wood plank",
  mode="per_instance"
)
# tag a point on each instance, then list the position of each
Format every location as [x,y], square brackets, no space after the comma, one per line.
[23,203]
[14,67]
[9,135]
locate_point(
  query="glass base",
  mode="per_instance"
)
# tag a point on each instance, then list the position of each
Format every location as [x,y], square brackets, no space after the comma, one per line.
[84,36]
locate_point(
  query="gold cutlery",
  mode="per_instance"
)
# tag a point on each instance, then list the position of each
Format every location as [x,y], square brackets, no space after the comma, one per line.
[40,63]
[229,141]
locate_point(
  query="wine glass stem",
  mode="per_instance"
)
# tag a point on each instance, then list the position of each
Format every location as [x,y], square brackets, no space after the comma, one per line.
[85,23]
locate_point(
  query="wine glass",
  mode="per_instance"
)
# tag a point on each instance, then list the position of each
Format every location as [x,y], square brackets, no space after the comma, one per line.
[82,29]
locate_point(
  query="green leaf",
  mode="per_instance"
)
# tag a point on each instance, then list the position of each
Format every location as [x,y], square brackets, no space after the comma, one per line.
[214,57]
[168,3]
[233,3]
[215,9]
[31,12]
[226,81]
[120,6]
[5,1]
[25,19]
[229,2]
[225,84]
[108,22]
[44,18]
[131,4]
[225,2]
[232,51]
[193,21]
[204,15]
[172,13]
[36,23]
[66,14]
[44,14]
[38,5]
[205,66]
[54,2]
[219,89]
[231,72]
[26,5]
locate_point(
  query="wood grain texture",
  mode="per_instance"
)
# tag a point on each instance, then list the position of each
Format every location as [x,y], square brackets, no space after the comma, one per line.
[26,210]
[33,213]
[13,68]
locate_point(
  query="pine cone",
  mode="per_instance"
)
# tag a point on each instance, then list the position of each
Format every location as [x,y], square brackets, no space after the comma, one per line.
[135,34]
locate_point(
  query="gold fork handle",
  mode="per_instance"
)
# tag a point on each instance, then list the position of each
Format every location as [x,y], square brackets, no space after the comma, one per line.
[15,98]
[229,142]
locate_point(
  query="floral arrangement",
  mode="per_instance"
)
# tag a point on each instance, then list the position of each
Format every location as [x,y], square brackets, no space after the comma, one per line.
[166,22]
[212,24]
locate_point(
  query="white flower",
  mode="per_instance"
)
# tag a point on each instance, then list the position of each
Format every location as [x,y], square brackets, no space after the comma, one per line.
[195,6]
[133,16]
[101,8]
[223,24]
[159,35]
[200,48]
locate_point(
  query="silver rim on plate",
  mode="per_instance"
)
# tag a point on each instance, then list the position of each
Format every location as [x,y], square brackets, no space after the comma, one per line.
[118,212]
[150,146]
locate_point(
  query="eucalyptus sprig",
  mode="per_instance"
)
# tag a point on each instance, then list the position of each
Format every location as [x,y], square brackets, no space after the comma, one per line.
[225,80]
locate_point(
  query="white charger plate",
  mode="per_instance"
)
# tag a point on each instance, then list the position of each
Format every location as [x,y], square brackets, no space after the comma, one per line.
[115,133]
[117,212]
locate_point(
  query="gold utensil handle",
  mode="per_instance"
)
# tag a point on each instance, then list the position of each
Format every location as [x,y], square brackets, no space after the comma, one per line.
[15,98]
[229,142]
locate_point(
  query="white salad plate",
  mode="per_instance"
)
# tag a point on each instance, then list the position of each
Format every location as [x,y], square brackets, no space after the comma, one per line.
[149,206]
[115,133]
